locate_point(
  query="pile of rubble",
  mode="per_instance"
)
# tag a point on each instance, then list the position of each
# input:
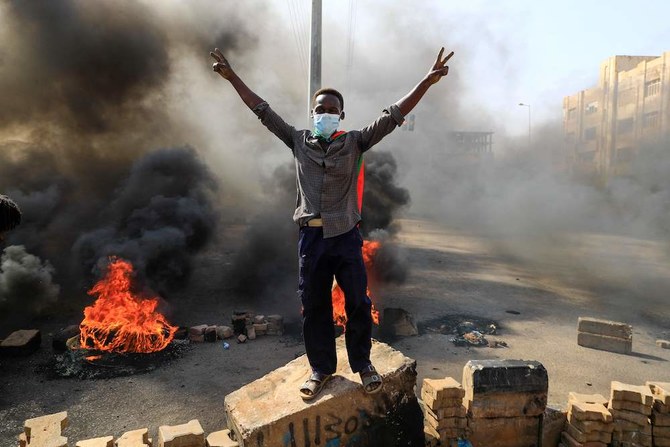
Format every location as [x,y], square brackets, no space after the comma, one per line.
[244,326]
[47,431]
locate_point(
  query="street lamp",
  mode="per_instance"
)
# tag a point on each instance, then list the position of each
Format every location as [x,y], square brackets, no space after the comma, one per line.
[527,105]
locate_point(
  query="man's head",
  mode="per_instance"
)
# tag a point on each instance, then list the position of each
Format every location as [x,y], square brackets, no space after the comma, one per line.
[10,215]
[328,100]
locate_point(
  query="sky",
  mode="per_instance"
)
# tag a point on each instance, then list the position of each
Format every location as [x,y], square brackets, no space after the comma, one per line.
[508,52]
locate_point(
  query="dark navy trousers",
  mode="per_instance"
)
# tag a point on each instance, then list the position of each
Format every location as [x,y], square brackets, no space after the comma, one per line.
[319,261]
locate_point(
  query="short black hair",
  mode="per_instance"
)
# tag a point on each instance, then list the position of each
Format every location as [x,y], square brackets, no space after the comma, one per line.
[10,214]
[329,91]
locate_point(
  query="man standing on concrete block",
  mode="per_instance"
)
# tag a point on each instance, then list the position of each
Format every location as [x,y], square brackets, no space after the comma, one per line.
[328,212]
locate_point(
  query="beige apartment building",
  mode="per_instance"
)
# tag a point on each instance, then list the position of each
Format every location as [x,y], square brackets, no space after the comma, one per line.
[606,126]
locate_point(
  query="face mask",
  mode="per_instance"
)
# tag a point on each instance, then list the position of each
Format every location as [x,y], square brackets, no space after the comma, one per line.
[325,124]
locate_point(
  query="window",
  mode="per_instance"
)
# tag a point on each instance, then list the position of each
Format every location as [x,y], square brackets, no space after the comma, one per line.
[651,120]
[591,107]
[624,126]
[590,133]
[652,87]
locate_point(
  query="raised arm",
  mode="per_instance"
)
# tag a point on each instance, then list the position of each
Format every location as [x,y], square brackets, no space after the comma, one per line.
[222,67]
[439,69]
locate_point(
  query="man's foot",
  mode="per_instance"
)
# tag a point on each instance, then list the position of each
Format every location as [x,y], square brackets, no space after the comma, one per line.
[372,381]
[313,386]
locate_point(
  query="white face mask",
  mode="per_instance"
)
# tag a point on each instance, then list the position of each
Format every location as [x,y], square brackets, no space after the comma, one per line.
[325,124]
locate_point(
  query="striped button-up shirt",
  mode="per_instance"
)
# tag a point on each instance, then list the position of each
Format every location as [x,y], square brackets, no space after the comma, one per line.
[327,176]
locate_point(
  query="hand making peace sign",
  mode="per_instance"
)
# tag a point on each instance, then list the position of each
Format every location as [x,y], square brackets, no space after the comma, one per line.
[221,66]
[439,69]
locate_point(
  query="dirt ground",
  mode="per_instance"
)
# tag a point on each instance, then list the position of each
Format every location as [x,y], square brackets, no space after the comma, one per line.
[535,303]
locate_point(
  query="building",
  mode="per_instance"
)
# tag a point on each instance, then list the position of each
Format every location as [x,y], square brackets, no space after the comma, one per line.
[470,146]
[606,126]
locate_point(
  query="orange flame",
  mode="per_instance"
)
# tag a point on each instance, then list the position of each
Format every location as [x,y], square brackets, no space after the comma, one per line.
[339,314]
[120,321]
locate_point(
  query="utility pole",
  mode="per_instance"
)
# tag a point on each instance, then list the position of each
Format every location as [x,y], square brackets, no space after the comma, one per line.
[314,54]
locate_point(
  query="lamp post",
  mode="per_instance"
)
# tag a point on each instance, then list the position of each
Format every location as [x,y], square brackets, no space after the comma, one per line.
[527,105]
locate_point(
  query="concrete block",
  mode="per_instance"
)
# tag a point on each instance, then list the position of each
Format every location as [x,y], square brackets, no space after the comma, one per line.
[553,422]
[448,435]
[431,436]
[21,343]
[435,405]
[242,338]
[275,324]
[505,388]
[46,429]
[627,405]
[605,327]
[665,344]
[134,438]
[224,332]
[443,389]
[632,393]
[594,436]
[398,322]
[270,411]
[588,412]
[659,407]
[660,419]
[604,343]
[661,432]
[184,435]
[221,438]
[660,391]
[589,426]
[505,432]
[105,441]
[587,398]
[259,319]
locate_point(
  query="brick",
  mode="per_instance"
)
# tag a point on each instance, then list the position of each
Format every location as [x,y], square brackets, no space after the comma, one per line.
[630,416]
[446,422]
[448,412]
[221,438]
[443,389]
[270,412]
[21,343]
[632,393]
[505,432]
[436,405]
[259,319]
[275,324]
[431,436]
[569,441]
[627,405]
[604,343]
[587,398]
[589,412]
[224,332]
[251,333]
[589,426]
[624,426]
[242,338]
[134,438]
[661,432]
[594,436]
[660,419]
[604,327]
[660,391]
[184,435]
[665,344]
[661,442]
[636,439]
[261,329]
[105,441]
[46,429]
[659,407]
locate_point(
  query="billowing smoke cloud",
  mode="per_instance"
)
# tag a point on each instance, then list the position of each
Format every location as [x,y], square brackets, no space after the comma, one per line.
[25,281]
[160,216]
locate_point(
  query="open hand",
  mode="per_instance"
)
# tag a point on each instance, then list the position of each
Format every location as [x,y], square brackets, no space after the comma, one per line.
[221,66]
[439,69]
